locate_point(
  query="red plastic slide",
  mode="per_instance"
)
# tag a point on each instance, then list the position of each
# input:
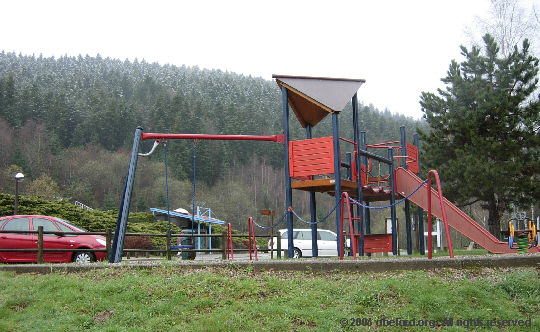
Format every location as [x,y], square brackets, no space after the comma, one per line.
[406,182]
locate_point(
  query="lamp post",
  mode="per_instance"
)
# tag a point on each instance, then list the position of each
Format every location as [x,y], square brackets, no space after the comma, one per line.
[18,178]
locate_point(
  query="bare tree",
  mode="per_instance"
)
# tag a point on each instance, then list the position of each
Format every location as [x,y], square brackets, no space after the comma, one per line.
[509,23]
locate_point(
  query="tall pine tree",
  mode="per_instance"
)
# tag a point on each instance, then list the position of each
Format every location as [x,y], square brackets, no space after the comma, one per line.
[485,130]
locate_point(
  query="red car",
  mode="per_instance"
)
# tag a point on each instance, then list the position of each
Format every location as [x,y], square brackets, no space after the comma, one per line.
[50,241]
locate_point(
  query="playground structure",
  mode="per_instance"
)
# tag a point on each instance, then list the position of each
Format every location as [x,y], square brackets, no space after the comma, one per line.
[522,239]
[315,165]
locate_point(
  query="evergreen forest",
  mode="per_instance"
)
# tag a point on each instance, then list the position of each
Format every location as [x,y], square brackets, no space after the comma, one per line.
[67,123]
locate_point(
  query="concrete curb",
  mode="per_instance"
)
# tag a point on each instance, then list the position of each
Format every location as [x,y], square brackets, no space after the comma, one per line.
[315,265]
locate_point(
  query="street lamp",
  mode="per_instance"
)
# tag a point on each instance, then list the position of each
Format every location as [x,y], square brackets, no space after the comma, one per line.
[18,178]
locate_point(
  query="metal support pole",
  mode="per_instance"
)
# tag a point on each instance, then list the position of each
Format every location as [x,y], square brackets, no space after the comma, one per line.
[392,201]
[359,163]
[408,228]
[420,210]
[199,228]
[121,224]
[16,197]
[337,177]
[313,210]
[365,163]
[288,188]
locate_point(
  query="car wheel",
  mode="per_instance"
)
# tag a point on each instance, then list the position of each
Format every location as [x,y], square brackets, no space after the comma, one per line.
[83,257]
[297,253]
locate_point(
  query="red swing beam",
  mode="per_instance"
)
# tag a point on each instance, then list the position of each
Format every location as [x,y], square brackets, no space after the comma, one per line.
[270,138]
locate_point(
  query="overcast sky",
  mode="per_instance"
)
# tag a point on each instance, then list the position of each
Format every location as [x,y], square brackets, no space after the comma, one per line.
[400,48]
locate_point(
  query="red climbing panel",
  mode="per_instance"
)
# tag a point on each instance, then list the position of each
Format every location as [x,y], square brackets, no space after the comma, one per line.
[311,157]
[412,160]
[377,243]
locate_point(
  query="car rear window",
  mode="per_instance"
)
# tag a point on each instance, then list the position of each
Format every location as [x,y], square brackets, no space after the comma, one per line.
[327,236]
[17,224]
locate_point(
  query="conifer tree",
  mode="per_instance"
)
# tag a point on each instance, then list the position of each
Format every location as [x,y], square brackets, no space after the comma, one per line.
[484,137]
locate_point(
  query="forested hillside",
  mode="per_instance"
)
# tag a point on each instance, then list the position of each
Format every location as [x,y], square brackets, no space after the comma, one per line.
[68,125]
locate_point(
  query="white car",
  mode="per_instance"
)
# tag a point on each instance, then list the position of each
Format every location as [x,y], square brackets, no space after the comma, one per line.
[326,242]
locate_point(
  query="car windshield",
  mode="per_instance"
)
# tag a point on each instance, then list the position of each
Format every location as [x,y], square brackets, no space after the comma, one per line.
[75,227]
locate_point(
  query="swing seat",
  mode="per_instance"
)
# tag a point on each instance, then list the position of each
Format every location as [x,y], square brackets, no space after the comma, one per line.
[185,246]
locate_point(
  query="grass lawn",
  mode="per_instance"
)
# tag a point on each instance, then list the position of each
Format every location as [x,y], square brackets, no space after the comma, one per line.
[172,298]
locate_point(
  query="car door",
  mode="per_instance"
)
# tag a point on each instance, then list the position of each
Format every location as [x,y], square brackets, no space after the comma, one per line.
[327,243]
[53,241]
[17,241]
[303,242]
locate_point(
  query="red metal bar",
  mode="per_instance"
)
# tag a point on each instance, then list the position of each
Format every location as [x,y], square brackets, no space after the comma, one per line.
[381,144]
[251,231]
[270,138]
[354,243]
[346,140]
[443,211]
[230,252]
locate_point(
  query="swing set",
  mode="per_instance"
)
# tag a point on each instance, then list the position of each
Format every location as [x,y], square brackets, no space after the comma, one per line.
[120,231]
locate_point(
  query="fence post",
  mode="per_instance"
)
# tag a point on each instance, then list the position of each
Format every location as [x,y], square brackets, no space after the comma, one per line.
[278,242]
[168,248]
[108,238]
[40,245]
[224,246]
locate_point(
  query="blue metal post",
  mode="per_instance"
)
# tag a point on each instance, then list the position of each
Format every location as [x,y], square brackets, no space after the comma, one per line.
[337,176]
[313,210]
[288,188]
[365,163]
[392,201]
[198,228]
[407,202]
[209,229]
[359,209]
[121,225]
[420,210]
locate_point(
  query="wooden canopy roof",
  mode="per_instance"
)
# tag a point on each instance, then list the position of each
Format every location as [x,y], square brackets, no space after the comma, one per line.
[313,98]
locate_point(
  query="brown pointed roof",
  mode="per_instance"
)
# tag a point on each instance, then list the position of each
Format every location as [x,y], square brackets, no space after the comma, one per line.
[313,98]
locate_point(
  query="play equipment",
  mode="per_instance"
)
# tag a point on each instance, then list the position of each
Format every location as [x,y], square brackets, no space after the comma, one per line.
[522,239]
[121,225]
[315,165]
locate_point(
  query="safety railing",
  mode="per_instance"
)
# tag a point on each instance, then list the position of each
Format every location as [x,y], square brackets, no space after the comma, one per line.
[443,211]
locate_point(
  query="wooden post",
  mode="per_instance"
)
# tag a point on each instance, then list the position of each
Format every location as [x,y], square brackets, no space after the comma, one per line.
[169,248]
[278,242]
[108,238]
[40,245]
[224,246]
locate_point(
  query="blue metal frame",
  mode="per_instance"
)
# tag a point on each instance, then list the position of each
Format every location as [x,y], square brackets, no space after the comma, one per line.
[364,162]
[420,210]
[121,224]
[392,201]
[313,210]
[288,188]
[408,228]
[337,176]
[359,209]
